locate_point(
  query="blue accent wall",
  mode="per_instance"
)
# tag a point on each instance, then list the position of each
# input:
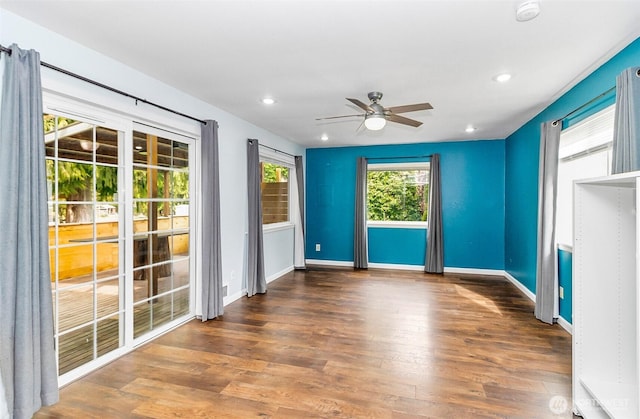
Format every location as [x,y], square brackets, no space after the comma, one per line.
[565,275]
[473,205]
[521,165]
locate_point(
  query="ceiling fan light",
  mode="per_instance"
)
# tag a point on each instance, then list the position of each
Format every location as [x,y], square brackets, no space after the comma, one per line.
[374,122]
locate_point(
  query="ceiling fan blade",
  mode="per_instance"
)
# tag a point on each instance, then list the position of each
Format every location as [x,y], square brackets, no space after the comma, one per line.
[361,105]
[402,120]
[341,116]
[410,108]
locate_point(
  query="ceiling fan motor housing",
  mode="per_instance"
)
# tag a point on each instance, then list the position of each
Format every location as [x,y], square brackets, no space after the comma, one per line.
[374,96]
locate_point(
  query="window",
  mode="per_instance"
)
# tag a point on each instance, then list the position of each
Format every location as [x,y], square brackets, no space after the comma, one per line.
[274,186]
[585,152]
[397,193]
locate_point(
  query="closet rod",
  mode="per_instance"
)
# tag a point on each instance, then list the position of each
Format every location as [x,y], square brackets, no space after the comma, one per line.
[109,88]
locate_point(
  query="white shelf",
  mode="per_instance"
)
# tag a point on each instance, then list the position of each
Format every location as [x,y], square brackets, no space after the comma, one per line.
[615,399]
[606,298]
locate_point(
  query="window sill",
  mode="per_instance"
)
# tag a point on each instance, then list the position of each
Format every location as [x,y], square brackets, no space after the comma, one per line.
[565,247]
[270,228]
[397,224]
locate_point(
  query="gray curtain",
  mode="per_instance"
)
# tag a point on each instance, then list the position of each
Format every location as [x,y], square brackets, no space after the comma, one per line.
[626,136]
[434,259]
[300,236]
[547,255]
[256,282]
[27,356]
[212,303]
[360,250]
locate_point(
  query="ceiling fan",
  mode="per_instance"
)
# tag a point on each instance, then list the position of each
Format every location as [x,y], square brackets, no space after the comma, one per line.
[376,116]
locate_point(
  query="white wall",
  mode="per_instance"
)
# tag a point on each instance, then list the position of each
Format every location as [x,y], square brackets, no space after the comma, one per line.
[233,132]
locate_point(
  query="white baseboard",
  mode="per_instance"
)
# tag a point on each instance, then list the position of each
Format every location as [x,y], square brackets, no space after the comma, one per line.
[396,266]
[520,286]
[321,262]
[565,325]
[561,321]
[231,298]
[277,275]
[474,271]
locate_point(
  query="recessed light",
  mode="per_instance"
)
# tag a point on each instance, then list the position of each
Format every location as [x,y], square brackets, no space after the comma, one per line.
[324,137]
[268,101]
[469,129]
[502,78]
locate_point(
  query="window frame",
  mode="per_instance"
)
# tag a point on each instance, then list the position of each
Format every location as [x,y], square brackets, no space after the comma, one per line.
[589,133]
[399,166]
[121,115]
[269,156]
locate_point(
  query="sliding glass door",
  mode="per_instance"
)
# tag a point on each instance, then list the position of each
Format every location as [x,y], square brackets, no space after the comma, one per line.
[86,238]
[120,232]
[161,212]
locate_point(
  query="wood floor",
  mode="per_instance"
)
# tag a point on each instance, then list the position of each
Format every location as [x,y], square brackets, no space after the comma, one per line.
[343,343]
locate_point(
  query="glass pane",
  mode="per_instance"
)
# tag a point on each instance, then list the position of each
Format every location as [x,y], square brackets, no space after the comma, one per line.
[180,245]
[108,333]
[76,141]
[108,297]
[139,148]
[107,145]
[180,155]
[181,214]
[165,152]
[139,182]
[75,213]
[161,311]
[180,303]
[75,181]
[75,306]
[141,318]
[75,348]
[275,193]
[106,183]
[75,264]
[165,280]
[108,262]
[140,284]
[51,179]
[397,195]
[180,273]
[180,184]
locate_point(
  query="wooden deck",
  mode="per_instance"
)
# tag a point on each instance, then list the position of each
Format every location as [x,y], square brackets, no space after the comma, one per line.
[77,305]
[345,344]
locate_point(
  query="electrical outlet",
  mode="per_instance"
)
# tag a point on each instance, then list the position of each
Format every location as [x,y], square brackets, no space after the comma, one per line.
[317,247]
[225,290]
[561,293]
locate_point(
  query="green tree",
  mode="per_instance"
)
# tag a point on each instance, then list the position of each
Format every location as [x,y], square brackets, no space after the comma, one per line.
[75,180]
[396,195]
[274,173]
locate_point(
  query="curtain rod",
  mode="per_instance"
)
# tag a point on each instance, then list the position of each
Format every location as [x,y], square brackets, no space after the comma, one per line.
[109,88]
[276,150]
[584,105]
[400,157]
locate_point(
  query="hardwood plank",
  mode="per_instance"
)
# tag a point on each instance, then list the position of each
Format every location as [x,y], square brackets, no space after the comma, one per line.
[334,342]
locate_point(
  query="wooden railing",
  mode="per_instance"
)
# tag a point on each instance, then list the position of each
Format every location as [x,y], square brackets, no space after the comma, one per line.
[77,260]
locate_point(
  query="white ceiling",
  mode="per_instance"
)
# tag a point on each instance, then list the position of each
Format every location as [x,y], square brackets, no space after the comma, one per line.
[311,55]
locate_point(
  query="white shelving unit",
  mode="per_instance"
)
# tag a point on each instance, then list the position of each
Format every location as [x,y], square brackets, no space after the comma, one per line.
[605,297]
